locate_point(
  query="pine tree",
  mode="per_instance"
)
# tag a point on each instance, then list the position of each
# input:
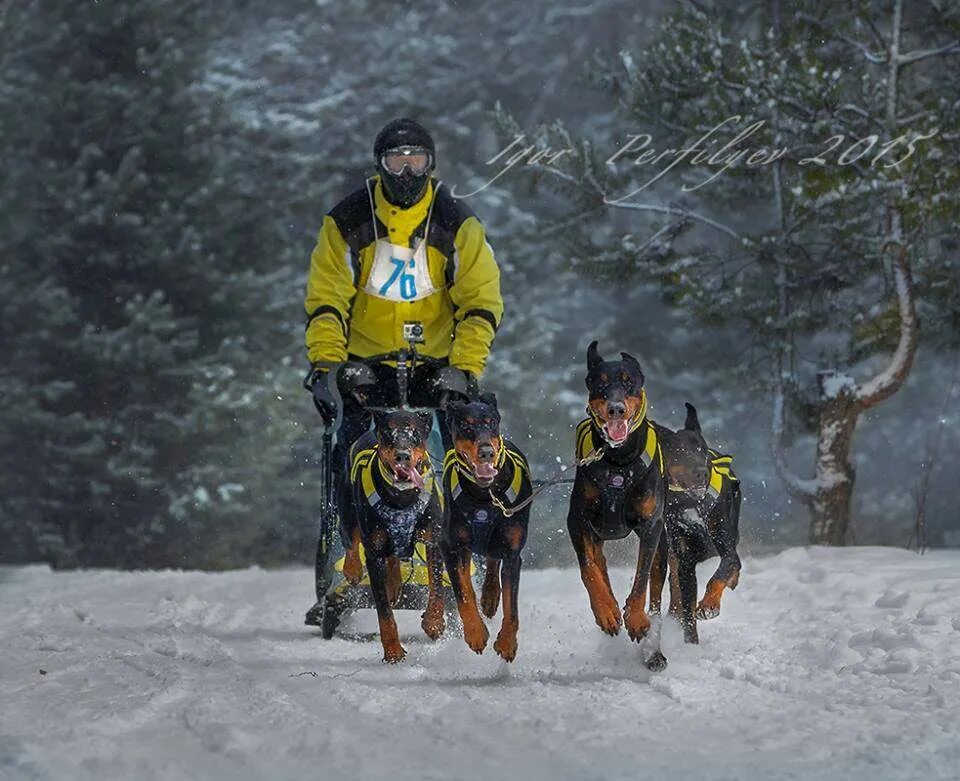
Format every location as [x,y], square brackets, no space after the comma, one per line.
[823,254]
[131,280]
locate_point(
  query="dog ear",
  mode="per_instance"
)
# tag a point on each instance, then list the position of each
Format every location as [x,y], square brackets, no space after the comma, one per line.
[379,420]
[627,358]
[692,423]
[594,359]
[489,398]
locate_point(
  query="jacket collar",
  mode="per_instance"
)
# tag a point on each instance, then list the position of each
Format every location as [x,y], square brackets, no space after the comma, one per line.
[403,221]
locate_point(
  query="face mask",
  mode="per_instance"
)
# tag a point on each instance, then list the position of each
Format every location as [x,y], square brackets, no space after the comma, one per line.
[403,189]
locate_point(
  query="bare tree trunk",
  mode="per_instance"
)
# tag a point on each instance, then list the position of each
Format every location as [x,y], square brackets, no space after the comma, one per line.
[835,475]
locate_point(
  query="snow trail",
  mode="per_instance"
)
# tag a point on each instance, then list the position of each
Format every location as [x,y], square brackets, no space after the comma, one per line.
[824,663]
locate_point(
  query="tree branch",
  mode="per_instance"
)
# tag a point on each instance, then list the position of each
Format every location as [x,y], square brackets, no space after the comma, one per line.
[650,207]
[921,54]
[888,381]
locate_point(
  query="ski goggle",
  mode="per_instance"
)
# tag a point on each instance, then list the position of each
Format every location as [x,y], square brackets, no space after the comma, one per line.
[416,158]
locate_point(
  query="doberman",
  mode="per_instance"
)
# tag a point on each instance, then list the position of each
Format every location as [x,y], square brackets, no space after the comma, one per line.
[391,501]
[618,489]
[485,476]
[703,507]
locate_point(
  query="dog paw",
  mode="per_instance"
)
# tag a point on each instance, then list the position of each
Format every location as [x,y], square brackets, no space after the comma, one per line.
[707,610]
[476,634]
[433,625]
[490,598]
[394,654]
[506,646]
[608,617]
[656,662]
[637,622]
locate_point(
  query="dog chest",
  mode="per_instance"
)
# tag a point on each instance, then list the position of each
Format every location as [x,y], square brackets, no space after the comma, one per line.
[615,490]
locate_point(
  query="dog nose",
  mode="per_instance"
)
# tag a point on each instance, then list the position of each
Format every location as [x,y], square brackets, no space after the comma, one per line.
[403,457]
[485,452]
[616,409]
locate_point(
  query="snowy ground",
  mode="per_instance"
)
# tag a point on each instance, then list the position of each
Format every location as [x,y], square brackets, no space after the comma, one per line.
[824,664]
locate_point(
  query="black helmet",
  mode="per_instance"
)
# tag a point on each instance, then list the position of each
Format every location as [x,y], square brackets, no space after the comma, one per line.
[406,187]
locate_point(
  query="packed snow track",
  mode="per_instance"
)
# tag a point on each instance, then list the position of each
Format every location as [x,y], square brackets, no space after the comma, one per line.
[839,664]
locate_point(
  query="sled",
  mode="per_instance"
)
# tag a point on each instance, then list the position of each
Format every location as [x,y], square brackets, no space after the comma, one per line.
[345,597]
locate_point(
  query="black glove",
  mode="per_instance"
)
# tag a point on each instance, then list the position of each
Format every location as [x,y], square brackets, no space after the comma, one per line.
[316,383]
[473,386]
[453,383]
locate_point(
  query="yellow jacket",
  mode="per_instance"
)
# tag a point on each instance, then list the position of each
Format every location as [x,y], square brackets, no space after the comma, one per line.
[459,319]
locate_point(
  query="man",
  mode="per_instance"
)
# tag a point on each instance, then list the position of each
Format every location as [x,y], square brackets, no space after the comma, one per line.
[399,250]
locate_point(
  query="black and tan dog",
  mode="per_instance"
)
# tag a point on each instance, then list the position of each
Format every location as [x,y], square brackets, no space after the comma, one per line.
[618,490]
[703,510]
[483,474]
[389,501]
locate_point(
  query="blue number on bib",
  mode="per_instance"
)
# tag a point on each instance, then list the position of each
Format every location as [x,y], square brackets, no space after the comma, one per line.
[408,283]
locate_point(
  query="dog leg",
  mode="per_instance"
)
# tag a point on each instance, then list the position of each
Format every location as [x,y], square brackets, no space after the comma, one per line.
[658,574]
[675,601]
[389,636]
[635,618]
[490,596]
[687,575]
[394,580]
[723,525]
[352,566]
[726,576]
[432,620]
[593,573]
[475,632]
[506,644]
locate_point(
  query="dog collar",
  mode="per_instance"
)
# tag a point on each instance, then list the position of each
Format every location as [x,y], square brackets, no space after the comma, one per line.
[452,463]
[635,422]
[586,445]
[369,487]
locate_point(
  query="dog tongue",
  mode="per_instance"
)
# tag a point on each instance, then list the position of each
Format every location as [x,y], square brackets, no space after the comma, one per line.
[617,430]
[486,470]
[410,475]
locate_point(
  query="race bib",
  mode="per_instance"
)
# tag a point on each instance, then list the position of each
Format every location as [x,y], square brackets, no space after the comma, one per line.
[399,273]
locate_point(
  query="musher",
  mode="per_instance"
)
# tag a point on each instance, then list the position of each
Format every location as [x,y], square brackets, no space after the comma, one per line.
[399,253]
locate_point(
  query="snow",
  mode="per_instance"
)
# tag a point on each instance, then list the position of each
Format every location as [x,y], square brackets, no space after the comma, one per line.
[824,663]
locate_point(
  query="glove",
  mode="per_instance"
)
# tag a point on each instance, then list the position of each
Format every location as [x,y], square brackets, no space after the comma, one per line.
[473,385]
[454,383]
[316,383]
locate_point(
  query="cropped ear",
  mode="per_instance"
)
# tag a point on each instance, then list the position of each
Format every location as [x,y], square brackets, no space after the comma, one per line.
[594,359]
[692,423]
[627,358]
[488,398]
